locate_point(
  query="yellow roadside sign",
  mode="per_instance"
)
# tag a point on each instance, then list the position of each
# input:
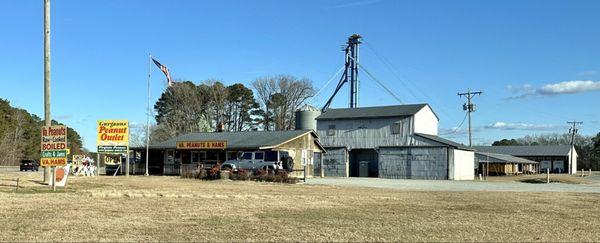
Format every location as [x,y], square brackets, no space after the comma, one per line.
[113,136]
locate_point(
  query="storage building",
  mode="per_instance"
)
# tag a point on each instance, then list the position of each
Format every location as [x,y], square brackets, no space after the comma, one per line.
[390,142]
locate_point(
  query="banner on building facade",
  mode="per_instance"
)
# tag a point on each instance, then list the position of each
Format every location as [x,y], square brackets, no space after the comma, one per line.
[202,145]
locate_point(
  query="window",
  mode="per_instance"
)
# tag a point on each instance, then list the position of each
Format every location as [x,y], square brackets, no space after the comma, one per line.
[232,155]
[331,130]
[259,155]
[396,128]
[271,156]
[247,156]
[303,157]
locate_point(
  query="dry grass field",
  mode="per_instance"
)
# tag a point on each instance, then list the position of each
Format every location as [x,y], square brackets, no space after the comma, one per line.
[541,178]
[174,209]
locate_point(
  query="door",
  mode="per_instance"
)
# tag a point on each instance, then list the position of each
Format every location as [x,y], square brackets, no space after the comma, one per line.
[366,158]
[195,157]
[259,160]
[544,165]
[246,161]
[558,166]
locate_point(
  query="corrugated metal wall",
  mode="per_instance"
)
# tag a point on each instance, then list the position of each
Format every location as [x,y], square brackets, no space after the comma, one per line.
[365,133]
[335,162]
[429,163]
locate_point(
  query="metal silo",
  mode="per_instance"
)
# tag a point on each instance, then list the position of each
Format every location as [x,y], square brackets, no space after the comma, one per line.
[305,117]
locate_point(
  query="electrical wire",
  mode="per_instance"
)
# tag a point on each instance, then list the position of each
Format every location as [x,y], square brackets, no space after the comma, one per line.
[459,125]
[389,65]
[380,83]
[326,85]
[329,81]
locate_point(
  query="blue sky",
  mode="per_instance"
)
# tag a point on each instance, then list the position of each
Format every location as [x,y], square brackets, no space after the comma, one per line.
[537,62]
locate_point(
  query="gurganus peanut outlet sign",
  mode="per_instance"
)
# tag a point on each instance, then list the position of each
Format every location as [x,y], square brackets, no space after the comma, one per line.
[54,146]
[113,136]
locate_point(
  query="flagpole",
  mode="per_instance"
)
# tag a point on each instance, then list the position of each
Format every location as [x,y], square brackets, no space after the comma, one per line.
[148,112]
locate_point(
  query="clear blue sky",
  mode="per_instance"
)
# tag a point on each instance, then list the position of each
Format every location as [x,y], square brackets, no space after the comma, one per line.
[537,62]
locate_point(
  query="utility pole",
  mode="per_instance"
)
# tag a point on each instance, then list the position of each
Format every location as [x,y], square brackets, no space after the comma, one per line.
[47,119]
[148,114]
[469,107]
[573,130]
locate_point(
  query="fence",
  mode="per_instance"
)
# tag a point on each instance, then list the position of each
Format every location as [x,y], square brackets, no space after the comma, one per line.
[10,183]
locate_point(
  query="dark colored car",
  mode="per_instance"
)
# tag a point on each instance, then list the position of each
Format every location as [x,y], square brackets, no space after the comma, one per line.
[29,164]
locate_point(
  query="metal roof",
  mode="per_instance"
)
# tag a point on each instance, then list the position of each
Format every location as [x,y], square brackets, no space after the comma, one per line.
[240,140]
[372,112]
[443,141]
[501,158]
[538,150]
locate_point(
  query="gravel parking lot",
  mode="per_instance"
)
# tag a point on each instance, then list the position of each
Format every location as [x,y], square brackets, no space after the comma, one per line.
[444,185]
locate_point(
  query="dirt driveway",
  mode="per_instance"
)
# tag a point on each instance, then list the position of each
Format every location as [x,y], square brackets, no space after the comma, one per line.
[587,184]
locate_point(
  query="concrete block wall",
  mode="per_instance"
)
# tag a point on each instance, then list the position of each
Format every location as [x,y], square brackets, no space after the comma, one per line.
[429,163]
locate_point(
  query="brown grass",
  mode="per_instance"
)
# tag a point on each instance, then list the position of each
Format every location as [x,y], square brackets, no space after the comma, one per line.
[173,209]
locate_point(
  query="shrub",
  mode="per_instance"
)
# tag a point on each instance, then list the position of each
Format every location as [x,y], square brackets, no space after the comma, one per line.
[202,174]
[261,175]
[214,172]
[241,175]
[280,176]
[191,173]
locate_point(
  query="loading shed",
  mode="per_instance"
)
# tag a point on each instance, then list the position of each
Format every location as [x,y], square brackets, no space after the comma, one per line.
[552,157]
[503,164]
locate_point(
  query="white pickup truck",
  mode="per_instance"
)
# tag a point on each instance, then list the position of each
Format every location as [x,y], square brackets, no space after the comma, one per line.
[266,160]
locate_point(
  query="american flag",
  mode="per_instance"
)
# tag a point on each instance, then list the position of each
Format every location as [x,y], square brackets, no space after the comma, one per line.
[165,70]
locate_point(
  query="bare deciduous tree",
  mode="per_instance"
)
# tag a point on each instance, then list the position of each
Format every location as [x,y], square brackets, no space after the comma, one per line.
[280,96]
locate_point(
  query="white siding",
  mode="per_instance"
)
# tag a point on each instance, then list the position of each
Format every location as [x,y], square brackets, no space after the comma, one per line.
[426,122]
[574,165]
[461,165]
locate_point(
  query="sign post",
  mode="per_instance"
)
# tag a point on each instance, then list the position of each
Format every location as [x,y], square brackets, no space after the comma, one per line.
[113,138]
[54,149]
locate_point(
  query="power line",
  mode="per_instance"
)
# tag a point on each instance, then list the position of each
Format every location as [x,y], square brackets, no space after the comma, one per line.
[388,65]
[380,83]
[403,81]
[457,127]
[329,81]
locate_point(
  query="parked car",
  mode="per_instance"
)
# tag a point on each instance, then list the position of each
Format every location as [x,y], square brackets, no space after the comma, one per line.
[255,160]
[29,164]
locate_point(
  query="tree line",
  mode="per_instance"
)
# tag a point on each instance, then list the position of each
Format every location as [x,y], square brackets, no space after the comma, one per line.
[269,104]
[587,147]
[20,135]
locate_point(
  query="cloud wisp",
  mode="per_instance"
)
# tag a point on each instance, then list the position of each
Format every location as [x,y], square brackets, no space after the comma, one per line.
[356,4]
[566,87]
[500,125]
[587,73]
[523,126]
[63,117]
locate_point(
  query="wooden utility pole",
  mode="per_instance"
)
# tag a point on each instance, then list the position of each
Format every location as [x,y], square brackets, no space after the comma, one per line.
[469,107]
[573,130]
[47,119]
